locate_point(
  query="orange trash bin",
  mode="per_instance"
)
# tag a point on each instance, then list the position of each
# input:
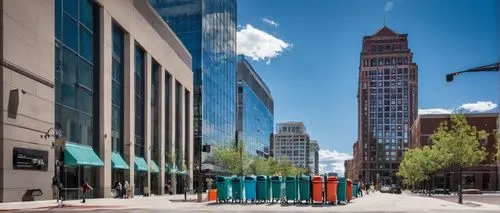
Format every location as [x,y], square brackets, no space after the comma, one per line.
[331,189]
[317,189]
[349,190]
[212,194]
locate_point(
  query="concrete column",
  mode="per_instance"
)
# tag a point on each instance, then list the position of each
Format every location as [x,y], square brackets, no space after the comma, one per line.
[171,128]
[161,132]
[105,79]
[147,119]
[129,109]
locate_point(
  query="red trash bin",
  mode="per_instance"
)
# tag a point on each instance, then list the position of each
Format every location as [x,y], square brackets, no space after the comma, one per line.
[317,189]
[349,190]
[331,189]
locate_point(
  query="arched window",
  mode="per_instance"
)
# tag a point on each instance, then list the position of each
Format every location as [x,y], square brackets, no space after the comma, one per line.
[380,61]
[387,61]
[406,60]
[400,61]
[373,62]
[393,61]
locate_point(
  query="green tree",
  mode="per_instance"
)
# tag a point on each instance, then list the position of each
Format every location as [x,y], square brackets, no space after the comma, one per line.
[233,159]
[459,144]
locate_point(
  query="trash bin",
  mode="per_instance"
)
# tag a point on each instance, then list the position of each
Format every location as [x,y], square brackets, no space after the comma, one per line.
[349,190]
[305,188]
[331,189]
[262,189]
[291,189]
[341,190]
[222,184]
[276,187]
[355,189]
[250,188]
[237,189]
[212,195]
[317,189]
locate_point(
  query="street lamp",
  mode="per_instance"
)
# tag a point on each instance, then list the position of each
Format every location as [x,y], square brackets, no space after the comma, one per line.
[488,68]
[449,78]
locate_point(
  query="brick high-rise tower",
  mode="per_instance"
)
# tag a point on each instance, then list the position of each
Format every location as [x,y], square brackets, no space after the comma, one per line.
[387,105]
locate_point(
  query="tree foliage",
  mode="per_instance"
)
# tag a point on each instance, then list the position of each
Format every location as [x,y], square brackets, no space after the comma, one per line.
[454,143]
[236,161]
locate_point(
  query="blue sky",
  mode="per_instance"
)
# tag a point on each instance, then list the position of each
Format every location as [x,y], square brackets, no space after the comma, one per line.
[308,54]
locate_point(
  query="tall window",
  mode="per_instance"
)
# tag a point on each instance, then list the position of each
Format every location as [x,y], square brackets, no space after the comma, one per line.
[154,110]
[167,117]
[117,90]
[178,119]
[187,134]
[139,101]
[76,108]
[74,69]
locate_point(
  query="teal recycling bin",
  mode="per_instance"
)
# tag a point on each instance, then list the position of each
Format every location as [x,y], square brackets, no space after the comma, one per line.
[341,191]
[276,187]
[262,189]
[355,189]
[250,184]
[305,188]
[222,184]
[237,189]
[291,188]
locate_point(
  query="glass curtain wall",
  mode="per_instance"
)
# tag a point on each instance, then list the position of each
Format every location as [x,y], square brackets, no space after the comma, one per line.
[76,52]
[139,177]
[117,98]
[154,123]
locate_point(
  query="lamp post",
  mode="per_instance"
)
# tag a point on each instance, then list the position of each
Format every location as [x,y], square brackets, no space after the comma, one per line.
[58,163]
[495,67]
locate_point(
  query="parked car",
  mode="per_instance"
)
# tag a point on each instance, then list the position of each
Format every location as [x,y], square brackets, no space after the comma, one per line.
[385,189]
[396,190]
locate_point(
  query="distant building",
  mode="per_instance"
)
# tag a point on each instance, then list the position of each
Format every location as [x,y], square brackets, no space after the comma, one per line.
[292,142]
[483,176]
[314,157]
[255,110]
[387,104]
[333,174]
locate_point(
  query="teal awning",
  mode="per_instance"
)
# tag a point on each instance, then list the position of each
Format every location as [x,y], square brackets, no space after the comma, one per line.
[140,164]
[117,161]
[154,167]
[182,173]
[172,169]
[80,155]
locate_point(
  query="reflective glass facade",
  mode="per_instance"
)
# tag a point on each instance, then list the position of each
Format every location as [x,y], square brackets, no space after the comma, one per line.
[208,30]
[76,81]
[117,90]
[254,111]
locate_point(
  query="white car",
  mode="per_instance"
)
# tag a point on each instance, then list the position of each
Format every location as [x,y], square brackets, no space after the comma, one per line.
[385,189]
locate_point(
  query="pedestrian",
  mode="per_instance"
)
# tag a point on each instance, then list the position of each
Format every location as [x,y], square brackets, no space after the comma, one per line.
[125,189]
[367,188]
[85,188]
[169,187]
[360,190]
[119,189]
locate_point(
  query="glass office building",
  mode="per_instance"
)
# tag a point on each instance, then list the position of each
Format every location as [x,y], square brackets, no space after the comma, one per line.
[207,28]
[255,111]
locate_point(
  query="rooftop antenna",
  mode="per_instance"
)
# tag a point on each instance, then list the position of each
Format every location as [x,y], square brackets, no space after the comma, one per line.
[385,19]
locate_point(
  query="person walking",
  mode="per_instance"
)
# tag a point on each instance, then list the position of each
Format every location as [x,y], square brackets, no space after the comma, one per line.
[360,189]
[85,188]
[367,188]
[125,189]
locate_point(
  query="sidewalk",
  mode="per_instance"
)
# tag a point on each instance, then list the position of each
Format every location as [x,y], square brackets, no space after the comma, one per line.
[101,203]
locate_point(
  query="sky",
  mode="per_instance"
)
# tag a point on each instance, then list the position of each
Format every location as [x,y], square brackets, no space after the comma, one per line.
[308,54]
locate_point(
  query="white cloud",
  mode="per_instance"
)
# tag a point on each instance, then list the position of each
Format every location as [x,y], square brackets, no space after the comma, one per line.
[388,6]
[332,161]
[434,111]
[270,22]
[258,44]
[479,106]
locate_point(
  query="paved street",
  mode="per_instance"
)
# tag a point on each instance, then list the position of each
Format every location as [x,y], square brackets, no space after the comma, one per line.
[372,203]
[485,198]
